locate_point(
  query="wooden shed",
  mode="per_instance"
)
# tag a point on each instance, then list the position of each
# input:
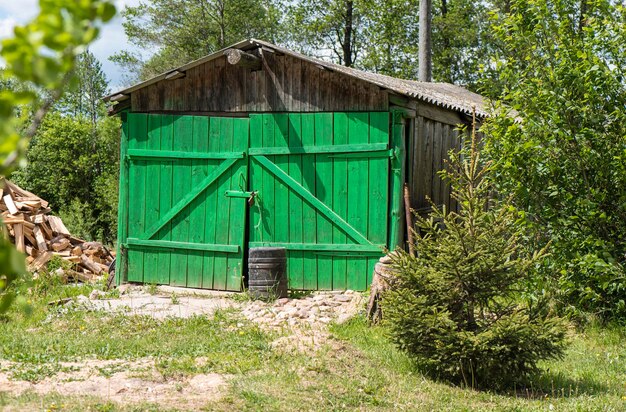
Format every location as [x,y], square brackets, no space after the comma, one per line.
[257,145]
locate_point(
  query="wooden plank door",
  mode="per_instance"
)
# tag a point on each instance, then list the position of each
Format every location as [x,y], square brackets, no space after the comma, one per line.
[323,193]
[185,216]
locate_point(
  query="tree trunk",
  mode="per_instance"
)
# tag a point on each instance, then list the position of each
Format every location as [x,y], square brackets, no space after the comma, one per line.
[582,19]
[347,34]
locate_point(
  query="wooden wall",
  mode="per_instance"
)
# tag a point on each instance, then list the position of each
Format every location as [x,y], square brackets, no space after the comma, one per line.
[284,84]
[429,144]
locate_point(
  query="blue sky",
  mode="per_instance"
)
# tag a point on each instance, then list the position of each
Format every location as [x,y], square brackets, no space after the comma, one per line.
[111,40]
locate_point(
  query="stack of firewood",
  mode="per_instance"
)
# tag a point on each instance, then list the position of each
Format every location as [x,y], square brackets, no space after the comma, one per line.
[42,236]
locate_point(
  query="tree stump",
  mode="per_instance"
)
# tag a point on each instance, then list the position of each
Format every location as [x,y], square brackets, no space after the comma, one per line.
[383,280]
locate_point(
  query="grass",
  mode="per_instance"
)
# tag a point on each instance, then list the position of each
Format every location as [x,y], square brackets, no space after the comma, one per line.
[358,369]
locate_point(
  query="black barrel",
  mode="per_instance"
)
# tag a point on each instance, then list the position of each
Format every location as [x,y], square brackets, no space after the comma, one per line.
[267,273]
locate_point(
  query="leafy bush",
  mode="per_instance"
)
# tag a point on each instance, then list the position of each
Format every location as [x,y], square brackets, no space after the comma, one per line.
[561,156]
[457,307]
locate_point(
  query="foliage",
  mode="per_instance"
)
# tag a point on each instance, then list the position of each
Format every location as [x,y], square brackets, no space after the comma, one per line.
[460,40]
[561,152]
[40,53]
[76,168]
[456,307]
[185,30]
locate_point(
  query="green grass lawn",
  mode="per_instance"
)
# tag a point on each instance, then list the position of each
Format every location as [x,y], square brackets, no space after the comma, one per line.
[357,369]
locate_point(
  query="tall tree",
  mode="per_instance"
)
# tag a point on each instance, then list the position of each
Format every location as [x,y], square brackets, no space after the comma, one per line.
[461,40]
[390,42]
[183,30]
[89,84]
[330,29]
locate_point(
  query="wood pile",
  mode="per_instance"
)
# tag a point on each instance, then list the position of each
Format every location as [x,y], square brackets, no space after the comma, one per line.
[42,236]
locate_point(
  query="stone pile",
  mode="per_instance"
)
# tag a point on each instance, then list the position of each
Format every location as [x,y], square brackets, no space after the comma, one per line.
[316,308]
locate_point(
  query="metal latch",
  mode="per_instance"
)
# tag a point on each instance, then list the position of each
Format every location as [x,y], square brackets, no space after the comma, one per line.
[242,194]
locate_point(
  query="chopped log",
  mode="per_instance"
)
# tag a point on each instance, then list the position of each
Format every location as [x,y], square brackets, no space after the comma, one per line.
[31,251]
[76,240]
[29,236]
[73,259]
[11,219]
[18,191]
[85,277]
[60,244]
[41,240]
[18,230]
[77,251]
[63,253]
[240,58]
[87,263]
[40,261]
[46,229]
[57,225]
[8,200]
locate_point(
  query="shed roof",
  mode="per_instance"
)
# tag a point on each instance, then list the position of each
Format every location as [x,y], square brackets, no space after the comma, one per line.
[445,95]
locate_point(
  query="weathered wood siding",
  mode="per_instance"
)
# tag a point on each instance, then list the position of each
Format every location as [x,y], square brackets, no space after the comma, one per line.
[429,146]
[286,84]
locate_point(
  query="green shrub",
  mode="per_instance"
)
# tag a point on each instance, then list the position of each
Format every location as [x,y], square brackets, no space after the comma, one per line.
[561,156]
[457,308]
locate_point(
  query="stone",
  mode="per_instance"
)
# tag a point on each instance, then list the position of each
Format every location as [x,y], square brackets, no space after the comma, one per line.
[123,289]
[343,318]
[333,303]
[291,310]
[303,313]
[324,320]
[343,298]
[96,294]
[282,301]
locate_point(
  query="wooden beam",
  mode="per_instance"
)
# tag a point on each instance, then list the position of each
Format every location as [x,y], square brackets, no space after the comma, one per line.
[402,101]
[439,114]
[169,154]
[119,97]
[240,58]
[330,149]
[324,247]
[174,75]
[168,244]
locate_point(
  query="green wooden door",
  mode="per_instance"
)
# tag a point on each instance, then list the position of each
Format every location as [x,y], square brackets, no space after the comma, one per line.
[184,223]
[323,193]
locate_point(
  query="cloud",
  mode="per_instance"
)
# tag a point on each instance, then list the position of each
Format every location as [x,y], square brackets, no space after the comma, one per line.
[6,26]
[20,10]
[111,40]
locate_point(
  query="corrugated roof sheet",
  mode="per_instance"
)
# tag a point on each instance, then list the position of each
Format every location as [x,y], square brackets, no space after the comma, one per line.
[445,95]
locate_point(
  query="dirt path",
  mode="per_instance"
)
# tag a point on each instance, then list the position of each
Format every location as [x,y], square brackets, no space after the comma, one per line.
[123,382]
[302,325]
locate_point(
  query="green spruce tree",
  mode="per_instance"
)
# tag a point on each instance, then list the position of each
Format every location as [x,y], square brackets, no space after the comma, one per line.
[457,307]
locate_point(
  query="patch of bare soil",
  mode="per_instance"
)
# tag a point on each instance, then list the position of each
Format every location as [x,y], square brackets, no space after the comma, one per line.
[123,382]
